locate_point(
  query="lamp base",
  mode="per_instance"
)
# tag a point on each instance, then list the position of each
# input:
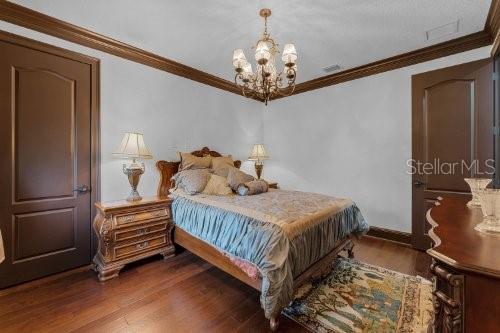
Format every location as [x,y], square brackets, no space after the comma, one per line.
[134,196]
[133,172]
[258,169]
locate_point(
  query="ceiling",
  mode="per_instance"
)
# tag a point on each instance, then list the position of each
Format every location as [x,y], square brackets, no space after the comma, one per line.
[203,33]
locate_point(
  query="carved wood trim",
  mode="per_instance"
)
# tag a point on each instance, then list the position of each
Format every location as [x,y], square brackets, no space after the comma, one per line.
[168,169]
[449,315]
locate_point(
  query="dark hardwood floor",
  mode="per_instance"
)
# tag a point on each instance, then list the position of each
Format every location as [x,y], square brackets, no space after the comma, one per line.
[181,294]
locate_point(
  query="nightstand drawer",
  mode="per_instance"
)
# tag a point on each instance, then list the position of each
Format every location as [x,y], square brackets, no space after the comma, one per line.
[148,229]
[144,245]
[126,219]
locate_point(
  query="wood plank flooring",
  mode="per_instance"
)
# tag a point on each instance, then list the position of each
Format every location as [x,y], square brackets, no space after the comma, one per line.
[180,294]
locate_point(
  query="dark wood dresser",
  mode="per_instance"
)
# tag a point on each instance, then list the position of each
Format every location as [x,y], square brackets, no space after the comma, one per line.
[466,269]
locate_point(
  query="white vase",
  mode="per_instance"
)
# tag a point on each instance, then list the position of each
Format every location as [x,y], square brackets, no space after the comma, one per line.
[476,184]
[490,205]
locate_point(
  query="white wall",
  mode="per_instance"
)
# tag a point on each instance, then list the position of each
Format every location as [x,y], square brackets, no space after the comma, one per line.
[352,139]
[172,112]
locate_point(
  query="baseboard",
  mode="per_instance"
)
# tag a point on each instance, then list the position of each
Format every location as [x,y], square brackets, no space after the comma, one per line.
[392,235]
[40,281]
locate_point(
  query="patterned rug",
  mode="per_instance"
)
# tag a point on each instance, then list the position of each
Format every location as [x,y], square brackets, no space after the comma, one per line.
[357,297]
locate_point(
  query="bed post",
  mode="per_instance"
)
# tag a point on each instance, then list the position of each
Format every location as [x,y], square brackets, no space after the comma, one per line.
[167,170]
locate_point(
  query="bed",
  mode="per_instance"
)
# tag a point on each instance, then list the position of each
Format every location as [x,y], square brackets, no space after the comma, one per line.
[287,237]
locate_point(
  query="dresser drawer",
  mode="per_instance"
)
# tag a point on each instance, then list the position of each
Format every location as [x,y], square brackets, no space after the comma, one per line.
[144,230]
[143,245]
[124,220]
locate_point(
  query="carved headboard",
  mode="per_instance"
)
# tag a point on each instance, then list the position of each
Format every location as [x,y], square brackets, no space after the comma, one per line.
[168,169]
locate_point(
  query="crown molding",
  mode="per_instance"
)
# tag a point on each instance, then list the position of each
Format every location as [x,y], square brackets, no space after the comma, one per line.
[492,26]
[34,20]
[458,45]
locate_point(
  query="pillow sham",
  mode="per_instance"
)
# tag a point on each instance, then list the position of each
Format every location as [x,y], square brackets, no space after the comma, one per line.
[217,185]
[192,181]
[253,187]
[189,161]
[236,177]
[222,161]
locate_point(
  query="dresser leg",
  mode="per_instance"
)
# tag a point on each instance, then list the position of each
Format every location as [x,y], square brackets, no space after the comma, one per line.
[105,272]
[168,253]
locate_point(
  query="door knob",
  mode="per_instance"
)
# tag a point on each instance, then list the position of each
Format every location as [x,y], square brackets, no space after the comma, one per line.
[418,183]
[82,189]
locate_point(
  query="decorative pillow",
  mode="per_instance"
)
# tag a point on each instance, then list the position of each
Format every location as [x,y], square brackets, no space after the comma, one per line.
[223,171]
[236,177]
[189,161]
[221,162]
[217,185]
[253,187]
[192,181]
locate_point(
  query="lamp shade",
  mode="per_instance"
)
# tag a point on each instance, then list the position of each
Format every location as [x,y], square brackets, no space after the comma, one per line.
[258,153]
[289,54]
[262,53]
[239,59]
[133,146]
[247,71]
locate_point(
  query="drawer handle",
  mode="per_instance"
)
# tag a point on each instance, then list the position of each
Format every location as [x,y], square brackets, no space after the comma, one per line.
[143,231]
[128,218]
[141,245]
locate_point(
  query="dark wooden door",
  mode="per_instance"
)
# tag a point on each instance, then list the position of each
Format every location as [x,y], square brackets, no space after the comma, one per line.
[45,149]
[452,136]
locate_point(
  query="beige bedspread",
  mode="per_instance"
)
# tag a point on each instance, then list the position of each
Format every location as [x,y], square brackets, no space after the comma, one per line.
[292,211]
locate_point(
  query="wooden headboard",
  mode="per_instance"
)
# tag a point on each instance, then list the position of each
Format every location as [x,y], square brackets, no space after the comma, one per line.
[168,169]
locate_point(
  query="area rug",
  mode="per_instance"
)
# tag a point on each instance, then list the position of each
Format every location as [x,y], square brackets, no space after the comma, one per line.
[357,297]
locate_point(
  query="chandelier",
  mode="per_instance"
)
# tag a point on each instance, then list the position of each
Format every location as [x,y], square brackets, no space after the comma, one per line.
[266,82]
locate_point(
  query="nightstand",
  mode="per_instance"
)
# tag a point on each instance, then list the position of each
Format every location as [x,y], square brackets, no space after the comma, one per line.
[130,231]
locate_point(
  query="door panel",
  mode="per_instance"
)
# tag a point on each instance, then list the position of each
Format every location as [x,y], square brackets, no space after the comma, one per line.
[452,133]
[35,90]
[447,133]
[46,104]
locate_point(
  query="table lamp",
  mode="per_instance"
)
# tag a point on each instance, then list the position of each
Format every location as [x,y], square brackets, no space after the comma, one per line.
[133,147]
[258,155]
